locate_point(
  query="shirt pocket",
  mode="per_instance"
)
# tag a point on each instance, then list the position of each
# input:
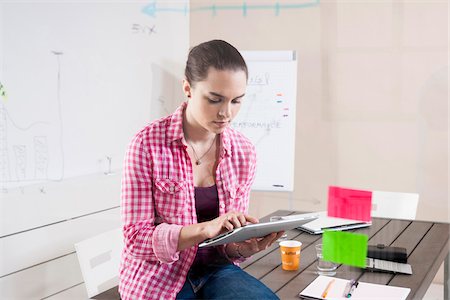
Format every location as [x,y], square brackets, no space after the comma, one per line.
[235,199]
[170,197]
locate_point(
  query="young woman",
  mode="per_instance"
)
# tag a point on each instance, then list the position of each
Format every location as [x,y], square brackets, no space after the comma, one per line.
[187,177]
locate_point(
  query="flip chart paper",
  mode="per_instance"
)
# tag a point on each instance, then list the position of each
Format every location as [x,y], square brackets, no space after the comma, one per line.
[349,203]
[345,248]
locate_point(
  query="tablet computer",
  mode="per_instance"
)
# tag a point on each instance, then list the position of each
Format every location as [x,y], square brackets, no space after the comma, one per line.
[255,230]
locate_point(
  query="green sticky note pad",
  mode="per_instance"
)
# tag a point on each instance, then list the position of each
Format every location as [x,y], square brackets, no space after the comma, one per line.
[345,248]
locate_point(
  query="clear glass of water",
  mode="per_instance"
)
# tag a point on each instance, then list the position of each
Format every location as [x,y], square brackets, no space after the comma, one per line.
[327,268]
[278,218]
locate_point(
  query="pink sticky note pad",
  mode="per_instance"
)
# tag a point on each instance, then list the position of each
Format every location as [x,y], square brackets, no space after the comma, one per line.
[349,204]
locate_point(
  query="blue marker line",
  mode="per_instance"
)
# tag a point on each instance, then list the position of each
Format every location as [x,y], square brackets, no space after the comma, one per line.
[151,9]
[277,9]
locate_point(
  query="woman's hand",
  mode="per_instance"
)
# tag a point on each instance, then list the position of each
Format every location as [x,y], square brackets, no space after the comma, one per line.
[254,245]
[227,222]
[194,234]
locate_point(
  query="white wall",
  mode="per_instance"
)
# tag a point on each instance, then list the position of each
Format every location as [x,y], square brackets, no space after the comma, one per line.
[372,94]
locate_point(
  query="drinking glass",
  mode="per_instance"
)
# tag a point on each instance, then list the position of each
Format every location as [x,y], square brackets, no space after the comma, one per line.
[327,268]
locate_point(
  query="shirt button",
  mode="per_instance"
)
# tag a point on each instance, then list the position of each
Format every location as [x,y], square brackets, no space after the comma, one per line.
[172,188]
[222,205]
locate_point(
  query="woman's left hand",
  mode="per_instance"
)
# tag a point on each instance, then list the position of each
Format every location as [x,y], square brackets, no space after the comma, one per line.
[254,245]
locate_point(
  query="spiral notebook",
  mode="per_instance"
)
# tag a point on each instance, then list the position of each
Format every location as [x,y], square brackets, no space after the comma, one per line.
[364,290]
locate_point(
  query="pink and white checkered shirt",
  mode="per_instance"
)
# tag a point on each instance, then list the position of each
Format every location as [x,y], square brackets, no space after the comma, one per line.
[158,200]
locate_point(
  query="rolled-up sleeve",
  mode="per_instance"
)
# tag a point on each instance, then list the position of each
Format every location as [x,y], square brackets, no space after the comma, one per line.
[165,242]
[142,238]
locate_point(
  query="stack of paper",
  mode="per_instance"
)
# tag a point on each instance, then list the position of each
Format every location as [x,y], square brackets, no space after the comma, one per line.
[364,290]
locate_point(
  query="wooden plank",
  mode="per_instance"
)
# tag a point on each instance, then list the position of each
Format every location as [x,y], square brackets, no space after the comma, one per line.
[425,259]
[386,236]
[43,244]
[408,239]
[412,236]
[273,275]
[287,285]
[272,259]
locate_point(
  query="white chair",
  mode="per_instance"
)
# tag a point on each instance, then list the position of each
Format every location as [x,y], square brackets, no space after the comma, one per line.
[99,259]
[394,205]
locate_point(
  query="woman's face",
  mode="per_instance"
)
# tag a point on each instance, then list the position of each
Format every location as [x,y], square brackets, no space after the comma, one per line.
[215,101]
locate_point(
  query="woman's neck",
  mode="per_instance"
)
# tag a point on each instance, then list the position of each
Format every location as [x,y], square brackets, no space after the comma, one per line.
[193,131]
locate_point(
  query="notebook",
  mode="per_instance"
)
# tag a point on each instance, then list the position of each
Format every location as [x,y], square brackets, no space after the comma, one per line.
[325,222]
[364,290]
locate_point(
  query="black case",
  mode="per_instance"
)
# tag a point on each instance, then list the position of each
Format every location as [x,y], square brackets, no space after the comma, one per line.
[380,251]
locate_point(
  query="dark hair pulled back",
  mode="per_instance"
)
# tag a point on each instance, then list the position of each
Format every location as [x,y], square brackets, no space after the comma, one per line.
[217,54]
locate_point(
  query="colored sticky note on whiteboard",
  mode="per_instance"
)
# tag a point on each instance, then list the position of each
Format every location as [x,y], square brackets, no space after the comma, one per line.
[349,203]
[345,248]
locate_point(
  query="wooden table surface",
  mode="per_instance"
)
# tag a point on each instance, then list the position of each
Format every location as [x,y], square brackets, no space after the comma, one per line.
[427,245]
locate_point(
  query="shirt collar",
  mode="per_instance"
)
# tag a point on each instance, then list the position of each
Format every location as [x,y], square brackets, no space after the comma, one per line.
[175,130]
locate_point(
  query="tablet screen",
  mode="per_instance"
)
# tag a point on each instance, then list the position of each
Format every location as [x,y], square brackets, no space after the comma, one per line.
[256,230]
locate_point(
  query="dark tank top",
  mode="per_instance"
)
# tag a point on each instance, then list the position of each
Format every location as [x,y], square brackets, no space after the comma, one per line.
[207,208]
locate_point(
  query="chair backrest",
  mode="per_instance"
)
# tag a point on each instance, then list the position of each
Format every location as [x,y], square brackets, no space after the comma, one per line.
[99,259]
[394,205]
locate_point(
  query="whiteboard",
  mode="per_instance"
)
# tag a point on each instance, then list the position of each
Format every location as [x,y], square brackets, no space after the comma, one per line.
[267,116]
[81,79]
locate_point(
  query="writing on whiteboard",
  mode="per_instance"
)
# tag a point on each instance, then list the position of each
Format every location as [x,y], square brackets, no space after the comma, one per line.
[259,79]
[267,125]
[267,117]
[143,29]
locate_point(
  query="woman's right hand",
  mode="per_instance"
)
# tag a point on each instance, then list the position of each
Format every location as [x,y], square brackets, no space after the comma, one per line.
[227,222]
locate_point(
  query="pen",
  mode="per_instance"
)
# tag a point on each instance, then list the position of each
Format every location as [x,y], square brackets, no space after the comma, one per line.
[327,289]
[348,287]
[352,289]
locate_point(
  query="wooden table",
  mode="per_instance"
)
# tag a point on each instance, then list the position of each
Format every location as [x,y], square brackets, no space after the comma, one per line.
[427,245]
